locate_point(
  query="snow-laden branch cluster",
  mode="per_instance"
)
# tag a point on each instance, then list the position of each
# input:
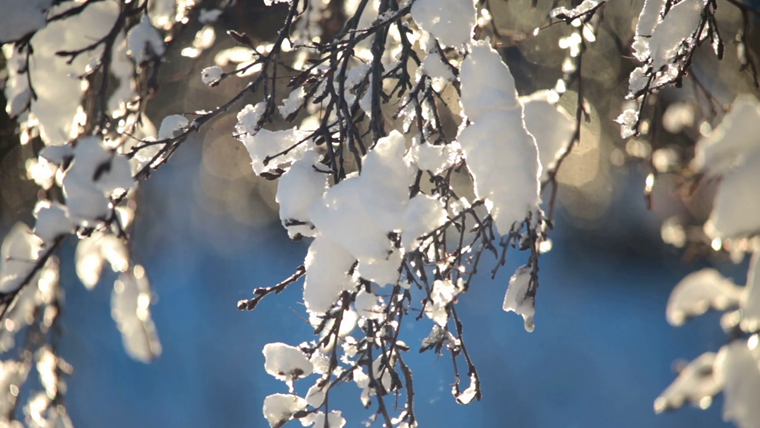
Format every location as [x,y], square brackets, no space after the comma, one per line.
[79,74]
[414,158]
[731,151]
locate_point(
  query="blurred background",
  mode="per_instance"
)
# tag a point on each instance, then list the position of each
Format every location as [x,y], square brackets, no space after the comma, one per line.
[208,233]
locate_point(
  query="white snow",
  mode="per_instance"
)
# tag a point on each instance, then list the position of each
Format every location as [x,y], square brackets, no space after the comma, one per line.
[327,265]
[450,21]
[648,20]
[96,174]
[517,300]
[582,8]
[315,396]
[279,408]
[732,140]
[678,25]
[18,253]
[89,262]
[348,321]
[503,160]
[123,69]
[367,304]
[435,159]
[750,302]
[736,205]
[627,119]
[737,368]
[52,221]
[695,384]
[638,80]
[334,420]
[96,249]
[382,271]
[423,215]
[700,291]
[320,362]
[286,363]
[211,75]
[297,190]
[501,155]
[362,381]
[466,396]
[172,126]
[261,143]
[487,83]
[443,293]
[130,308]
[434,67]
[57,154]
[360,211]
[293,102]
[144,42]
[550,125]
[386,177]
[42,172]
[56,83]
[17,90]
[733,151]
[341,217]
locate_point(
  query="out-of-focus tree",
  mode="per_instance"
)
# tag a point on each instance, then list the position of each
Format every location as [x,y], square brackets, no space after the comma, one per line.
[430,138]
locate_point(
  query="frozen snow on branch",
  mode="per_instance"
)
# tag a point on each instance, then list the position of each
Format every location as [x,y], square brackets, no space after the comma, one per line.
[737,368]
[211,75]
[269,150]
[293,102]
[317,420]
[750,303]
[130,308]
[327,265]
[700,291]
[501,155]
[679,27]
[360,211]
[18,254]
[92,252]
[584,8]
[696,384]
[280,408]
[286,363]
[550,125]
[732,149]
[487,83]
[423,215]
[54,69]
[649,17]
[144,42]
[732,140]
[297,190]
[435,159]
[520,297]
[52,221]
[449,21]
[97,174]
